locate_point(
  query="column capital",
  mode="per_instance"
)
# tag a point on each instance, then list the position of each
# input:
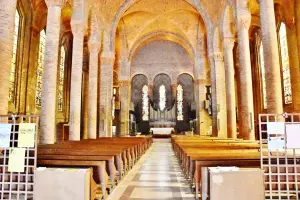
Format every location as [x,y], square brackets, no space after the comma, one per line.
[228,43]
[94,46]
[218,57]
[107,58]
[77,27]
[199,81]
[243,20]
[34,31]
[123,83]
[57,3]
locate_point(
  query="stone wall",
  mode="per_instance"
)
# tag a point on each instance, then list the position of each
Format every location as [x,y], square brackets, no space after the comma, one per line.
[161,56]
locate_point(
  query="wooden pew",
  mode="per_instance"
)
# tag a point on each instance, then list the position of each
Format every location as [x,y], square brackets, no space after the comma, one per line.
[88,153]
[99,167]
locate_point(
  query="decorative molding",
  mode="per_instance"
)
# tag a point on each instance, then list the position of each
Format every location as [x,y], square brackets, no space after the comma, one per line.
[34,31]
[94,46]
[78,28]
[107,60]
[56,3]
[228,43]
[218,57]
[199,81]
[123,83]
[244,21]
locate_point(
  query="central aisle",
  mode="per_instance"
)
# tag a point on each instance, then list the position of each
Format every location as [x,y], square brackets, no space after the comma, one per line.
[157,175]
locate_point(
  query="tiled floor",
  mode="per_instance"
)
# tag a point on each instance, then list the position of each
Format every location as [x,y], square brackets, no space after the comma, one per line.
[157,175]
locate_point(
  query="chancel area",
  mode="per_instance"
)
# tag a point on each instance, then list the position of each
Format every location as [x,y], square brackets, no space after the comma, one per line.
[149,99]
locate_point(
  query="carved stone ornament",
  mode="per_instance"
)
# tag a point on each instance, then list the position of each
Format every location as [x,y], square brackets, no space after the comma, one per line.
[244,21]
[77,27]
[218,57]
[107,60]
[34,31]
[94,46]
[228,43]
[58,3]
[199,81]
[123,83]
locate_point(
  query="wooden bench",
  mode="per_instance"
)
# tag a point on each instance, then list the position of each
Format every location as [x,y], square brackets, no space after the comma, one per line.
[92,153]
[98,166]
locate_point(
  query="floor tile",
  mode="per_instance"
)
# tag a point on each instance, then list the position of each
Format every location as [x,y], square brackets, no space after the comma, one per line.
[157,175]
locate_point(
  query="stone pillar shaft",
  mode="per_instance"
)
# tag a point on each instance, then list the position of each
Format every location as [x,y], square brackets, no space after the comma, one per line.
[297,12]
[246,126]
[125,103]
[7,25]
[76,80]
[106,94]
[228,44]
[214,97]
[294,65]
[200,94]
[49,106]
[93,82]
[221,95]
[271,57]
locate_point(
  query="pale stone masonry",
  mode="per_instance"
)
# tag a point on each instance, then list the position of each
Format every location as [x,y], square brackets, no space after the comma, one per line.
[7,25]
[246,125]
[271,56]
[94,47]
[125,92]
[228,44]
[220,94]
[294,64]
[106,93]
[48,110]
[76,79]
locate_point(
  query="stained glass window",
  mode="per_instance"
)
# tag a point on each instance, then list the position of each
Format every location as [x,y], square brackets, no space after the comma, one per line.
[263,75]
[12,76]
[179,103]
[61,78]
[162,97]
[285,65]
[40,69]
[145,103]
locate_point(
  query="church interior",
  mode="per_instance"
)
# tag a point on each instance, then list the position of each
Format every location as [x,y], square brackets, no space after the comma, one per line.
[149,99]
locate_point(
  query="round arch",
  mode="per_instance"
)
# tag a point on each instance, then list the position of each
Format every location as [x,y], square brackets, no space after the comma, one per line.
[127,4]
[173,37]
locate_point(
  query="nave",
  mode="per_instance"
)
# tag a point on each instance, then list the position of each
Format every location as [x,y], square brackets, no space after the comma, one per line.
[157,175]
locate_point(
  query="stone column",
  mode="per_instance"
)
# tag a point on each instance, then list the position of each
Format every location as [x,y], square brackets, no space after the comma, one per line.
[271,56]
[106,93]
[246,120]
[48,110]
[297,15]
[125,103]
[294,64]
[32,71]
[85,101]
[7,26]
[220,94]
[200,94]
[228,44]
[78,30]
[94,47]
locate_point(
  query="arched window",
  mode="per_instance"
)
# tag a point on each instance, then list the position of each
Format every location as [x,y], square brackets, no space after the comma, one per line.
[12,77]
[179,103]
[263,75]
[40,69]
[285,65]
[145,103]
[61,78]
[162,97]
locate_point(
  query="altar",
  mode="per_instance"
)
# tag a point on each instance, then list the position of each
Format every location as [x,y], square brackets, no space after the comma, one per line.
[161,131]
